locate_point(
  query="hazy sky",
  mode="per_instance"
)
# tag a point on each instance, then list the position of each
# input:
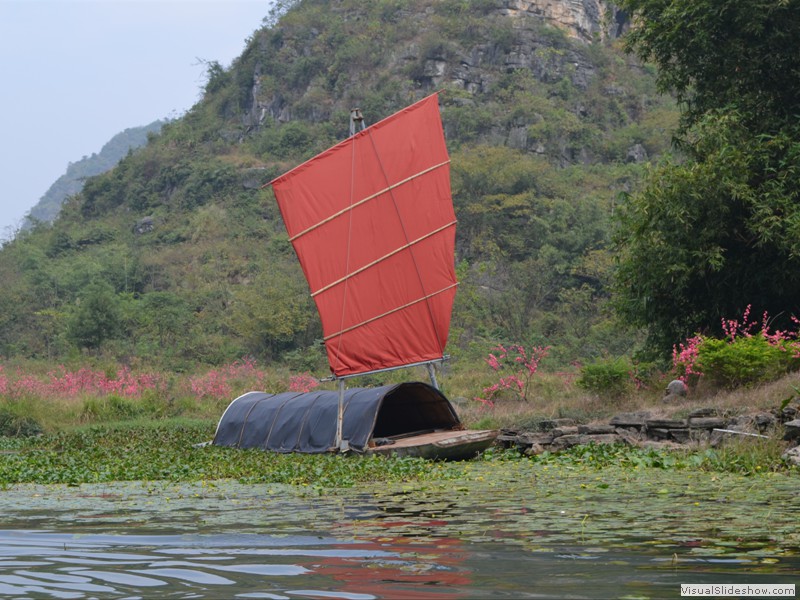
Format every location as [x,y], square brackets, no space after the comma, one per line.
[73,73]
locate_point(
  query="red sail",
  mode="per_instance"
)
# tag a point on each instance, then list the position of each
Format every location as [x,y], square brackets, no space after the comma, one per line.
[372,222]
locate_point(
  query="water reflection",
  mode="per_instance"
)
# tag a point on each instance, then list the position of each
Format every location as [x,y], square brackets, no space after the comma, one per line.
[37,563]
[590,536]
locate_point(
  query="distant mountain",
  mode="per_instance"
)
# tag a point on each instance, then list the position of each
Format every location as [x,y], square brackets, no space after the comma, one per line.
[71,182]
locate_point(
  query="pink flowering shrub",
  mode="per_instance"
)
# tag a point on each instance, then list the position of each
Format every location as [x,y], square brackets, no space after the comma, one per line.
[515,367]
[686,358]
[105,395]
[302,383]
[226,383]
[230,381]
[84,382]
[213,384]
[749,353]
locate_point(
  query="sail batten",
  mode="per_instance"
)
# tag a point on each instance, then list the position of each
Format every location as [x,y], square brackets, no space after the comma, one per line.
[382,258]
[372,222]
[344,211]
[390,312]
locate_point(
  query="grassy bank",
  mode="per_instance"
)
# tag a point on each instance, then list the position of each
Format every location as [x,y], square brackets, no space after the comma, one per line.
[102,425]
[40,397]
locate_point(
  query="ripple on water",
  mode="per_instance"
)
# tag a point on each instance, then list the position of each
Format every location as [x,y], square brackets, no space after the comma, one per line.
[507,537]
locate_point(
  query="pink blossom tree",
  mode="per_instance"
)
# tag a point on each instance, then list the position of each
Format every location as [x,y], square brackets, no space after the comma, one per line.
[515,367]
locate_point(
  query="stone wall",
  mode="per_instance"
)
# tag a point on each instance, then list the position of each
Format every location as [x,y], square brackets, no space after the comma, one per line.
[703,426]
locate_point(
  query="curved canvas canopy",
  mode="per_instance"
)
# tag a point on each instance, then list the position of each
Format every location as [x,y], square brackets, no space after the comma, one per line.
[372,222]
[306,422]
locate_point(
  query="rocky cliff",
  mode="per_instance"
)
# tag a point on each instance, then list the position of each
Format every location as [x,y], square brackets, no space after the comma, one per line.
[586,20]
[551,41]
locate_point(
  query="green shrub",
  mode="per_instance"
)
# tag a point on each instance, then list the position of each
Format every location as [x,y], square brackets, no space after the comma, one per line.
[487,423]
[746,360]
[749,456]
[606,377]
[14,425]
[110,408]
[157,405]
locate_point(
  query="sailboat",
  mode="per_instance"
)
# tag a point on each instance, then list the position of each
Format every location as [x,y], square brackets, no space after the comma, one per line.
[371,220]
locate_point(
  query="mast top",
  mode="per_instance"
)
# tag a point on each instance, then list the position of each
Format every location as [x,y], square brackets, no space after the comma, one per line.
[356,121]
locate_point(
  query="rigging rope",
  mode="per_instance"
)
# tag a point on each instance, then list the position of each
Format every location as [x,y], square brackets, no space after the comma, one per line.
[426,296]
[349,232]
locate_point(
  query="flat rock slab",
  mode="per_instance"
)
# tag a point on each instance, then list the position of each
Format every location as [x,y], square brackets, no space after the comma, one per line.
[658,433]
[550,424]
[527,439]
[578,439]
[562,431]
[596,429]
[703,412]
[680,435]
[791,430]
[568,441]
[707,423]
[665,424]
[631,436]
[633,419]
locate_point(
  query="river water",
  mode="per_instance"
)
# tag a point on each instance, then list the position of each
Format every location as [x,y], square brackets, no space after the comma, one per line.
[515,531]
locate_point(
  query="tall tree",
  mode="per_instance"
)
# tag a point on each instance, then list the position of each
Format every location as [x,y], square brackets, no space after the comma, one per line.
[717,228]
[723,53]
[96,317]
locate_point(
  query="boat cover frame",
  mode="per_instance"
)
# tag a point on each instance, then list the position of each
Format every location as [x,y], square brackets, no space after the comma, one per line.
[306,421]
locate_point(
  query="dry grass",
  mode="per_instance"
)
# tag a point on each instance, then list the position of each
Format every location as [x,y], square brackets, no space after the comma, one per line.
[549,401]
[551,395]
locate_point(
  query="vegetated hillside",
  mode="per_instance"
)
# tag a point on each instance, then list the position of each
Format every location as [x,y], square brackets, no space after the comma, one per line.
[71,182]
[178,256]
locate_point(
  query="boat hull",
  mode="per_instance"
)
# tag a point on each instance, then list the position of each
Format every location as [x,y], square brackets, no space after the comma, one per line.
[439,445]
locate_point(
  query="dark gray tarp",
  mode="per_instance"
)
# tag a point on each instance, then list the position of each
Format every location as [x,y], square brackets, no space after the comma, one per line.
[306,422]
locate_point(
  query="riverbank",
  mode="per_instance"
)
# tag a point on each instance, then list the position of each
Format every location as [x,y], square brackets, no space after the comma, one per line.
[775,431]
[165,451]
[73,434]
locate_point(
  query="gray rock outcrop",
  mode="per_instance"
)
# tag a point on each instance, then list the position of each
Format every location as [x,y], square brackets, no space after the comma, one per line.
[642,428]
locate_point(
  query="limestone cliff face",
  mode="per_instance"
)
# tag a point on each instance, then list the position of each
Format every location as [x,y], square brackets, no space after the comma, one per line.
[583,21]
[550,39]
[586,20]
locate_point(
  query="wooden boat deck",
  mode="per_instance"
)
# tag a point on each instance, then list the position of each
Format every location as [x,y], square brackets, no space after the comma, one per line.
[448,444]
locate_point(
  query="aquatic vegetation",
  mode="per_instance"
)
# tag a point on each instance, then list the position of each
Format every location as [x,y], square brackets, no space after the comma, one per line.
[745,457]
[642,514]
[499,530]
[165,451]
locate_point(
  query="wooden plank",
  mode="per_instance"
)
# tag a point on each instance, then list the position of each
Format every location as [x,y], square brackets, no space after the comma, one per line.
[446,444]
